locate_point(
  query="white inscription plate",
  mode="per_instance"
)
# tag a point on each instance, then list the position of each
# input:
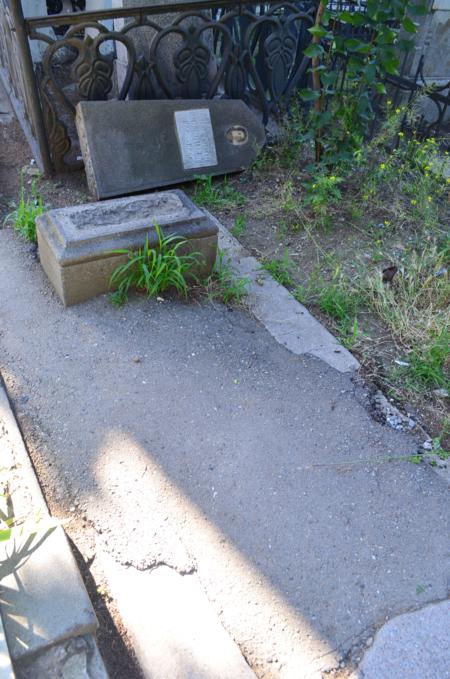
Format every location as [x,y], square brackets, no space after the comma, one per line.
[196,138]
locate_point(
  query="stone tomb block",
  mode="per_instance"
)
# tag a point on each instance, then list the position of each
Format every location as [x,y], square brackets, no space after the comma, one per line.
[131,146]
[77,244]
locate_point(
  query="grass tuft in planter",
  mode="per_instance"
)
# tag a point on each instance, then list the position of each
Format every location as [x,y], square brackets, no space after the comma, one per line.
[154,270]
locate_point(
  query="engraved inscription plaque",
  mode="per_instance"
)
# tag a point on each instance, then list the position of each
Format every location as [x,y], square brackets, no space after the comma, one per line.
[195,138]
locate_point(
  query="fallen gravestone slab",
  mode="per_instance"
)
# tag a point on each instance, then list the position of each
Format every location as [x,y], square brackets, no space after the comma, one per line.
[77,244]
[131,146]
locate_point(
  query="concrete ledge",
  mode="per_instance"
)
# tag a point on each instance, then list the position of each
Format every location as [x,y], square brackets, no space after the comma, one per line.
[288,321]
[43,600]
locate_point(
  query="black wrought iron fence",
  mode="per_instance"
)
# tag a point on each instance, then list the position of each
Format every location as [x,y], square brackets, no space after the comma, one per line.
[197,49]
[188,50]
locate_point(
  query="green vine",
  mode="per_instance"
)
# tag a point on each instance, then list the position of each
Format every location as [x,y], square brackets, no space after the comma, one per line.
[351,53]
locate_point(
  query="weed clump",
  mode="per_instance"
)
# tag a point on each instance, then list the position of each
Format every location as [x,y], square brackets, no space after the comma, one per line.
[154,270]
[23,218]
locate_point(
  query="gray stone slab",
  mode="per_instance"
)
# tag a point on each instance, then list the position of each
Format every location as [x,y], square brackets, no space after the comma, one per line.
[43,600]
[131,146]
[411,646]
[174,629]
[77,244]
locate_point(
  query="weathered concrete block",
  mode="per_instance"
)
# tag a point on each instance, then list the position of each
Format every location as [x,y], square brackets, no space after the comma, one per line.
[76,658]
[131,146]
[44,601]
[77,244]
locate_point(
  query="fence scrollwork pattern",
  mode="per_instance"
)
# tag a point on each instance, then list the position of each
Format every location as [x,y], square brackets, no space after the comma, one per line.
[254,53]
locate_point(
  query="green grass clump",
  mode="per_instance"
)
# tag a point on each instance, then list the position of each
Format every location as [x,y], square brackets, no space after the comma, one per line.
[154,270]
[416,310]
[224,284]
[216,195]
[23,218]
[281,269]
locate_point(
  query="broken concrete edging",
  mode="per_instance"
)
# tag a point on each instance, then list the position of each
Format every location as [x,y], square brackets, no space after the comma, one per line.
[174,629]
[44,602]
[288,321]
[415,645]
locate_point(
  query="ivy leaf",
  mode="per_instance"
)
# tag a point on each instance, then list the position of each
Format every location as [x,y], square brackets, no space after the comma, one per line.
[409,25]
[381,88]
[307,94]
[391,66]
[313,51]
[353,18]
[319,31]
[355,45]
[370,73]
[328,78]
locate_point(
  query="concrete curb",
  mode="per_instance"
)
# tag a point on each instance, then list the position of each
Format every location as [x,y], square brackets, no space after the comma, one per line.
[44,602]
[415,645]
[288,321]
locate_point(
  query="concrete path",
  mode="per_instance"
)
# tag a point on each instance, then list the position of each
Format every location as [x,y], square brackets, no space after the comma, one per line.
[190,438]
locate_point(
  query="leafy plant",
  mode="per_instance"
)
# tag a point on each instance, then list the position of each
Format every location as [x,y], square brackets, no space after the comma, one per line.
[240,224]
[23,218]
[281,270]
[219,195]
[351,52]
[321,191]
[154,270]
[224,283]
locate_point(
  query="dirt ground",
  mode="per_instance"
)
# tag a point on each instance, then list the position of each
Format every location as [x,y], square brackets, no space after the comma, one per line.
[268,235]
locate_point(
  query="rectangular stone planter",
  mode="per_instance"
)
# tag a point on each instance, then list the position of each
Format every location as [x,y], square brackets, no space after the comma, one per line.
[77,244]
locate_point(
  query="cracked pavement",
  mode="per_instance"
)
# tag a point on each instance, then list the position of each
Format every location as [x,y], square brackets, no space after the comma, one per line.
[188,436]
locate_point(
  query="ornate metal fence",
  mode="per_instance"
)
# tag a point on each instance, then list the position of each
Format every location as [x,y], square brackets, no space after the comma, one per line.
[203,49]
[196,49]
